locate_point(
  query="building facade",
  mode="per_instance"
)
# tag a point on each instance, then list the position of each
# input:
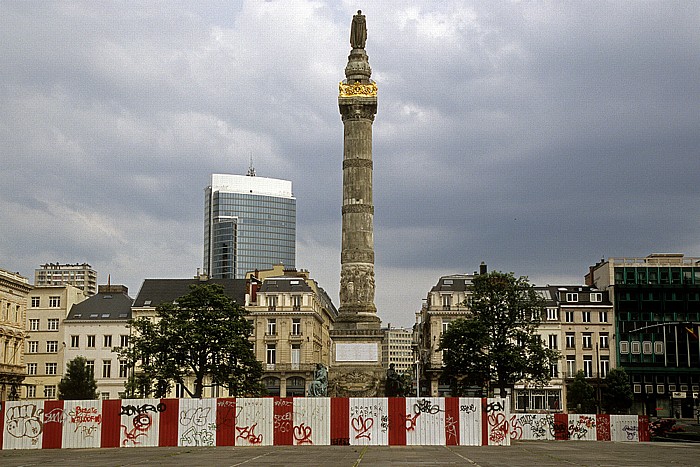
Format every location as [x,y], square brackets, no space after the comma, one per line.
[45,345]
[292,317]
[250,223]
[657,313]
[155,292]
[78,275]
[447,301]
[398,348]
[93,329]
[14,289]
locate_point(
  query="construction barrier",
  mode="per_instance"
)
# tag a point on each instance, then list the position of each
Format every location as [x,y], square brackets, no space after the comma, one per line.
[296,421]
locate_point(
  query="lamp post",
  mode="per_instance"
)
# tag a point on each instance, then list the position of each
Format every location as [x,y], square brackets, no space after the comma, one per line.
[418,378]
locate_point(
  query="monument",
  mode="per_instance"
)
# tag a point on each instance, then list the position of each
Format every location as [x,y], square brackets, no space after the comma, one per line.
[356,367]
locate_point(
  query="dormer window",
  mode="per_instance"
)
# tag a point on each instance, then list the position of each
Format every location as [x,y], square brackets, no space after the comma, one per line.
[596,297]
[572,297]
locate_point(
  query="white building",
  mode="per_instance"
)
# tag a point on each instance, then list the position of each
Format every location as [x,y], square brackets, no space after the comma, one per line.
[93,329]
[397,348]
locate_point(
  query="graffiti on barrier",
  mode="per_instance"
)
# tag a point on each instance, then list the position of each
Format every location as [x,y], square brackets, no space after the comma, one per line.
[141,409]
[451,428]
[362,427]
[581,427]
[24,421]
[247,433]
[302,434]
[425,406]
[86,420]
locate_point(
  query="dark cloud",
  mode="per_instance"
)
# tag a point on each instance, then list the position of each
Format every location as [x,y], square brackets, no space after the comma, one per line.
[535,137]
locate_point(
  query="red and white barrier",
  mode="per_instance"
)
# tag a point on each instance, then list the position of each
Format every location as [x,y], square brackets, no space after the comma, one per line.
[296,421]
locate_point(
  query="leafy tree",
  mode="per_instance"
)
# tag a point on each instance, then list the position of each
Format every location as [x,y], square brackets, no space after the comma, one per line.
[580,395]
[617,395]
[79,382]
[497,345]
[204,336]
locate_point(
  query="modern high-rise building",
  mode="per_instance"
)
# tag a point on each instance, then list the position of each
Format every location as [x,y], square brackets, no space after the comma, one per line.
[250,223]
[80,275]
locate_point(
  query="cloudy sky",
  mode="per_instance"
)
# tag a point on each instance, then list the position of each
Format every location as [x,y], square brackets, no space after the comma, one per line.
[537,137]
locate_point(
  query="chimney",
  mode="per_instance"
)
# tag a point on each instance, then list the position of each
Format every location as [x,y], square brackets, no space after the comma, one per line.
[482,268]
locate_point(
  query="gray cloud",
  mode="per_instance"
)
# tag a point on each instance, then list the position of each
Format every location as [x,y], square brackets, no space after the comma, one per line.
[535,137]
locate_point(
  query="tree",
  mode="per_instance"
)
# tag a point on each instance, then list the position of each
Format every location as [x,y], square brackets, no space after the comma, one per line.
[497,344]
[617,396]
[580,395]
[202,335]
[79,382]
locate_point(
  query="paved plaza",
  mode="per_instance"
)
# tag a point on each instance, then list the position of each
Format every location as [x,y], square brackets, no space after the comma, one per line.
[539,453]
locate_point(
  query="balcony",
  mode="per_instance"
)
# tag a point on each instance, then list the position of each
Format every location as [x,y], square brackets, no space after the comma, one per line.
[295,336]
[310,367]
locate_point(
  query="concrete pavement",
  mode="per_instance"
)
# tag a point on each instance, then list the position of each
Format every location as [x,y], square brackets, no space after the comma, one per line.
[525,453]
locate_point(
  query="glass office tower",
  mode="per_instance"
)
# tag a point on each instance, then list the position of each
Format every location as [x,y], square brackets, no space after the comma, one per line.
[250,223]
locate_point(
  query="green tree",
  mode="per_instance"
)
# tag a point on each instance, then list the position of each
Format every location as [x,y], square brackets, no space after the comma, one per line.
[79,382]
[580,395]
[617,395]
[201,336]
[497,344]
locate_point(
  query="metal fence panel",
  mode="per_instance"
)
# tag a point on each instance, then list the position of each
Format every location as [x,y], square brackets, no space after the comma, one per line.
[24,425]
[582,427]
[255,422]
[624,428]
[82,424]
[470,427]
[312,420]
[425,421]
[497,416]
[369,421]
[197,422]
[532,427]
[140,420]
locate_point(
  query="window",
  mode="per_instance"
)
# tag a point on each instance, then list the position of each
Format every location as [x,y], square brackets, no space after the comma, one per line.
[296,302]
[646,347]
[588,366]
[75,341]
[271,302]
[596,297]
[272,327]
[50,392]
[553,342]
[55,302]
[53,324]
[569,316]
[91,342]
[51,368]
[123,369]
[31,391]
[32,346]
[570,340]
[445,324]
[296,326]
[107,341]
[554,370]
[36,302]
[51,346]
[34,324]
[124,340]
[636,347]
[572,297]
[271,354]
[90,366]
[104,396]
[604,342]
[106,368]
[659,347]
[587,341]
[586,315]
[571,366]
[552,314]
[624,347]
[603,316]
[605,366]
[31,368]
[446,301]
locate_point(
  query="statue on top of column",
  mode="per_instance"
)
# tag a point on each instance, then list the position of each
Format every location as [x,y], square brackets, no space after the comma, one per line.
[358,31]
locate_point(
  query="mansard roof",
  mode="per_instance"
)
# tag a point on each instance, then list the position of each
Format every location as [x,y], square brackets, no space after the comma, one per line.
[102,306]
[284,284]
[157,291]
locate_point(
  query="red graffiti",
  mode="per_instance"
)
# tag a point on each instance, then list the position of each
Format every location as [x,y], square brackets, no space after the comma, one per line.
[142,423]
[248,433]
[411,421]
[362,426]
[499,427]
[302,434]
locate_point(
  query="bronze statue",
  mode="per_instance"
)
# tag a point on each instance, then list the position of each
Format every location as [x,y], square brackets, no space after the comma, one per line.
[358,31]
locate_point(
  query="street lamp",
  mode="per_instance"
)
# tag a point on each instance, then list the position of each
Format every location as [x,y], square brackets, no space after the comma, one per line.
[417,378]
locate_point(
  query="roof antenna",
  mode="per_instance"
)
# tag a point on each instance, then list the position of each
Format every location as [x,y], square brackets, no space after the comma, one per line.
[251,169]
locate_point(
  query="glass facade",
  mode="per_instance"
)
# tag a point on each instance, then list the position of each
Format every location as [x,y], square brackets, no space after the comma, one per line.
[248,231]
